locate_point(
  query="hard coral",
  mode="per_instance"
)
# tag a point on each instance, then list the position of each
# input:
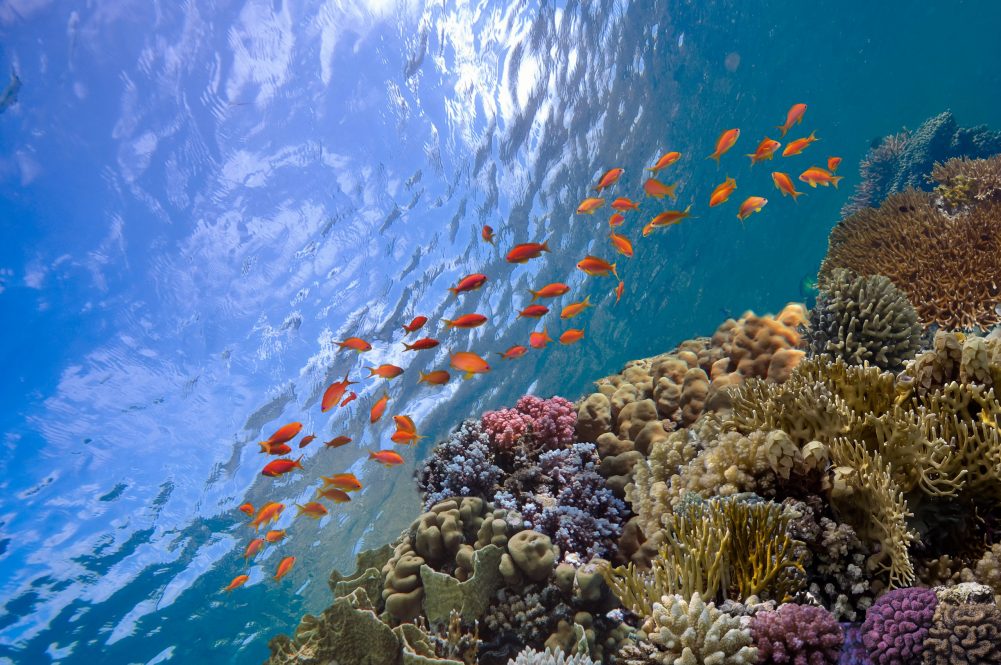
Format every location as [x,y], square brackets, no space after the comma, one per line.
[948,265]
[548,657]
[896,626]
[968,633]
[462,465]
[690,631]
[549,422]
[797,634]
[864,319]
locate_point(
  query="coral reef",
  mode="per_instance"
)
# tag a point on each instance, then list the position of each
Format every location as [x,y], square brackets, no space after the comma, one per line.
[548,423]
[906,159]
[966,628]
[461,465]
[864,320]
[798,634]
[547,657]
[896,626]
[949,265]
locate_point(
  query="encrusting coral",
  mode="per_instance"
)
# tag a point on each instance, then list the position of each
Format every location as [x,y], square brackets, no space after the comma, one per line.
[948,264]
[797,634]
[864,319]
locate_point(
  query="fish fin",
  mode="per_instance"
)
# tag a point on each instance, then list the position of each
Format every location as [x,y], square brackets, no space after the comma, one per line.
[836,179]
[613,271]
[670,191]
[813,183]
[448,323]
[716,157]
[535,295]
[587,301]
[298,462]
[467,375]
[752,156]
[794,194]
[371,372]
[545,245]
[372,455]
[408,347]
[782,129]
[813,135]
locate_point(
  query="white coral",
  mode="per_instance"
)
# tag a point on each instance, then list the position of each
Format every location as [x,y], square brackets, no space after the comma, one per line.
[696,633]
[548,657]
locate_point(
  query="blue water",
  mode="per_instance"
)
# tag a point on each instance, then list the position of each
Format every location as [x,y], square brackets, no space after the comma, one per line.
[198,198]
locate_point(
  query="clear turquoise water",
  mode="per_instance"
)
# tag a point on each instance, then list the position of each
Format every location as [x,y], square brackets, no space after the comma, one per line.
[197,199]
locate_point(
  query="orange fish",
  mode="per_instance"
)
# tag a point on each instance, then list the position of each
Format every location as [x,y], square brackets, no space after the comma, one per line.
[722,192]
[589,205]
[338,441]
[794,116]
[247,508]
[352,396]
[516,351]
[538,340]
[438,377]
[549,291]
[725,141]
[618,291]
[665,160]
[622,244]
[280,467]
[385,371]
[527,250]
[378,408]
[269,512]
[624,203]
[406,431]
[275,535]
[572,335]
[283,567]
[334,494]
[470,363]
[253,547]
[616,219]
[285,433]
[311,509]
[750,205]
[487,233]
[765,150]
[797,146]
[575,308]
[334,392]
[596,267]
[659,190]
[666,218]
[275,448]
[416,324]
[469,283]
[306,440]
[237,582]
[386,457]
[815,175]
[343,481]
[784,184]
[533,311]
[833,163]
[466,321]
[355,344]
[421,344]
[610,178]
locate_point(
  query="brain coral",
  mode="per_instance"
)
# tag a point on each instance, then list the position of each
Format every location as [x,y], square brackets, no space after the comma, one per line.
[949,265]
[798,634]
[896,626]
[968,633]
[864,319]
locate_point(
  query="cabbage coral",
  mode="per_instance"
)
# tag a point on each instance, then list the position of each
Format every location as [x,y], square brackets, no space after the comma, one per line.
[949,265]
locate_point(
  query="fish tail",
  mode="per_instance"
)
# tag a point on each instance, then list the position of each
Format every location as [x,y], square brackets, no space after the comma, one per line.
[752,156]
[371,372]
[423,376]
[613,271]
[836,179]
[454,290]
[448,323]
[545,246]
[408,347]
[298,462]
[813,135]
[670,191]
[535,295]
[782,128]
[715,157]
[264,446]
[794,194]
[372,455]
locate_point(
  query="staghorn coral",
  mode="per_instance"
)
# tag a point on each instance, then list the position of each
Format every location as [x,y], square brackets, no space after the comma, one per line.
[864,320]
[905,159]
[548,657]
[948,265]
[684,631]
[896,626]
[798,634]
[462,465]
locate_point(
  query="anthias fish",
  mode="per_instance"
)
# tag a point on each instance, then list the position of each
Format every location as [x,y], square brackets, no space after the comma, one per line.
[247,508]
[415,324]
[609,178]
[280,467]
[343,481]
[352,396]
[793,117]
[784,184]
[421,344]
[549,291]
[333,494]
[378,408]
[237,582]
[765,150]
[527,250]
[275,535]
[538,340]
[616,219]
[438,377]
[751,205]
[572,335]
[269,512]
[355,344]
[665,160]
[386,457]
[815,175]
[596,267]
[487,233]
[284,567]
[722,192]
[469,283]
[338,441]
[797,146]
[624,203]
[833,163]
[589,205]
[466,321]
[725,141]
[533,311]
[658,190]
[618,291]
[334,392]
[468,363]
[385,371]
[253,547]
[406,431]
[306,440]
[285,433]
[312,509]
[575,308]
[621,244]
[516,351]
[275,448]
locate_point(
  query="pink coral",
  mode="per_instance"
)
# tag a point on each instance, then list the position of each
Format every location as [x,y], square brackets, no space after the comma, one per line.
[550,421]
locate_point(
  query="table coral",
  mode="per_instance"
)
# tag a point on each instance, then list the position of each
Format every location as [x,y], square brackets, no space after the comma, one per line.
[797,634]
[948,265]
[896,626]
[864,319]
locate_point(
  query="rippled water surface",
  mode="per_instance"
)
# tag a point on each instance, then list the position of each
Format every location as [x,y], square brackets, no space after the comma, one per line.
[199,198]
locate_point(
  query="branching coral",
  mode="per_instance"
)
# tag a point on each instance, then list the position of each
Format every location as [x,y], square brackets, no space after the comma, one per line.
[548,657]
[684,631]
[948,265]
[864,319]
[896,626]
[549,424]
[461,465]
[797,634]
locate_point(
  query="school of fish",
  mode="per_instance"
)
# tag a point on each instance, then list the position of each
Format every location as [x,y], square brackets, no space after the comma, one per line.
[336,487]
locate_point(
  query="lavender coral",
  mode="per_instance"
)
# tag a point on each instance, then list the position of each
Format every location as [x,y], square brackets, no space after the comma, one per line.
[462,465]
[897,624]
[797,634]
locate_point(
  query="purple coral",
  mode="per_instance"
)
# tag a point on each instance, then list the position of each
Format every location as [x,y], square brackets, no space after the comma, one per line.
[853,652]
[462,465]
[797,634]
[550,422]
[571,503]
[896,626]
